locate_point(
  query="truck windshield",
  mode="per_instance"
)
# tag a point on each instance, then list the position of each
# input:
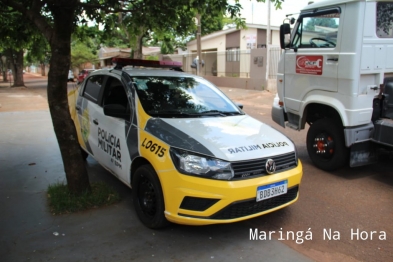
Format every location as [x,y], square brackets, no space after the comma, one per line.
[182,97]
[317,31]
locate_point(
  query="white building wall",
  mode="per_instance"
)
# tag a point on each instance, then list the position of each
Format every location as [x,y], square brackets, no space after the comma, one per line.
[275,37]
[244,52]
[219,43]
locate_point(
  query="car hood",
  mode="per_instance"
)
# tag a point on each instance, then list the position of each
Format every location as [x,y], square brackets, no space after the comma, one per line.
[232,138]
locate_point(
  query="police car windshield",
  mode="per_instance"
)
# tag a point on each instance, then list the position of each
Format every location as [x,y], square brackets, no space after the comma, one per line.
[182,97]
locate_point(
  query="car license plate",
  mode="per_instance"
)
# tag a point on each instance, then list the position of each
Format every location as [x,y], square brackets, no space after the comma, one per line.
[272,190]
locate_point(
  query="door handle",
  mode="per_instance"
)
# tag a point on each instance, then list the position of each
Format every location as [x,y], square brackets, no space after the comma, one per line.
[372,87]
[333,59]
[95,121]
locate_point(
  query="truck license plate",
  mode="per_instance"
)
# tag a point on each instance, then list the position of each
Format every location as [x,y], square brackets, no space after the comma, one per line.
[272,190]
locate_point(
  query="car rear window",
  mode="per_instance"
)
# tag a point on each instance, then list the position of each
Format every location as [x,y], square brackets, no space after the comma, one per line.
[93,87]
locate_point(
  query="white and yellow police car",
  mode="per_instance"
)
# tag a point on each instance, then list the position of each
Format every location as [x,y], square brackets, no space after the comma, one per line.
[190,155]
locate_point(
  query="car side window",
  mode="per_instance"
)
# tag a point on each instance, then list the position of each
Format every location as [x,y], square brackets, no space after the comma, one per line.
[115,94]
[93,87]
[317,30]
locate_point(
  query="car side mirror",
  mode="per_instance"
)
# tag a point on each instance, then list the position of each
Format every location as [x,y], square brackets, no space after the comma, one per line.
[116,110]
[239,105]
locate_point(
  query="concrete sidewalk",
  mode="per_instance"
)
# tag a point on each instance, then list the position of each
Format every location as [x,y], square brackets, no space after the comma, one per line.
[30,160]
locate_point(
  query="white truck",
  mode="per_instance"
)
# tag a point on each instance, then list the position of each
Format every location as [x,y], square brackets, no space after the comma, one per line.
[336,75]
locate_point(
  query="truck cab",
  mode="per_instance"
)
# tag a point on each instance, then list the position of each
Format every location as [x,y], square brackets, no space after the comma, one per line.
[335,74]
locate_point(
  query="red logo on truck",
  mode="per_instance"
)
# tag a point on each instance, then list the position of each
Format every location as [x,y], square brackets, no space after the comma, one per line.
[309,64]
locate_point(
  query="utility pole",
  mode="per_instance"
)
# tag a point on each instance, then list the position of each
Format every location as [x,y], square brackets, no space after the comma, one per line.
[268,43]
[199,65]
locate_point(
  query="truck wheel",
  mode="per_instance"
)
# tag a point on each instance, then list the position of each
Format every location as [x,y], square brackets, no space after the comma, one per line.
[326,145]
[148,198]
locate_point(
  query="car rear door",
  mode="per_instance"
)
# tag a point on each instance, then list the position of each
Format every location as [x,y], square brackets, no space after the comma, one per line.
[88,112]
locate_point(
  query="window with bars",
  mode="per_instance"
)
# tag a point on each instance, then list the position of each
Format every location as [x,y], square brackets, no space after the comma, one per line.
[233,54]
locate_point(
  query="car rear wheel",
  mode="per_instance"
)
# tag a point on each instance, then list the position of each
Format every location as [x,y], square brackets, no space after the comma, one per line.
[326,145]
[84,153]
[148,198]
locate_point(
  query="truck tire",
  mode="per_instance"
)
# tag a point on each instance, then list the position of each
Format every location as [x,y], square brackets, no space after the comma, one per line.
[148,198]
[326,145]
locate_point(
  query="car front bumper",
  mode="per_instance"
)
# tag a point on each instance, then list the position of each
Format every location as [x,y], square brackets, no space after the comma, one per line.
[197,201]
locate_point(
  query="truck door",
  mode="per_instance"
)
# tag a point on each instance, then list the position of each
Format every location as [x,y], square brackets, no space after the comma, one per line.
[311,63]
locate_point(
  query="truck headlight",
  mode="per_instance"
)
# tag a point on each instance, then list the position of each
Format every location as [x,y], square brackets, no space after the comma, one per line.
[203,166]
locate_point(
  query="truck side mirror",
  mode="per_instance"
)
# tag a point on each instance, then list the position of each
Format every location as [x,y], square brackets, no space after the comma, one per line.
[285,29]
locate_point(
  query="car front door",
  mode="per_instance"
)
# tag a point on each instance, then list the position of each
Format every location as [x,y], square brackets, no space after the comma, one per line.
[114,131]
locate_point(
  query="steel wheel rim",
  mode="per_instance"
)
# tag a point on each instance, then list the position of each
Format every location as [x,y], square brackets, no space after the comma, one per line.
[147,197]
[323,145]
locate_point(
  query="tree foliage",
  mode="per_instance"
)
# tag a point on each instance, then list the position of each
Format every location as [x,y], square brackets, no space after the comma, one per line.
[170,40]
[38,52]
[83,52]
[17,33]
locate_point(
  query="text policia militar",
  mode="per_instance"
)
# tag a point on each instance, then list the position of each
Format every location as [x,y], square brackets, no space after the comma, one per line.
[327,234]
[110,144]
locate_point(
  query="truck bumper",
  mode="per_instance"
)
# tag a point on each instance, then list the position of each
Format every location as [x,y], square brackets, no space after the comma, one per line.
[278,114]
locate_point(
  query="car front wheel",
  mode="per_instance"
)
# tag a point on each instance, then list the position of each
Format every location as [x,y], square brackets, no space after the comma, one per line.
[148,198]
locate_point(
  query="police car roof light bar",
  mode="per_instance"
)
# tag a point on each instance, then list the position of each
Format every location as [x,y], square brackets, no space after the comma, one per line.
[121,62]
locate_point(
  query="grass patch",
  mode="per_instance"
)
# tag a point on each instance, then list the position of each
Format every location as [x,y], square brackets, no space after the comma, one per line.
[61,201]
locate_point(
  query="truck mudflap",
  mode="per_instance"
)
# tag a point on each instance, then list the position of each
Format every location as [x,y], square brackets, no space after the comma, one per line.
[278,114]
[363,153]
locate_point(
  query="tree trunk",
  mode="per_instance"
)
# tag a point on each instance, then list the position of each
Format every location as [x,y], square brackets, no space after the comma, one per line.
[42,69]
[4,68]
[138,46]
[16,61]
[5,79]
[74,166]
[58,35]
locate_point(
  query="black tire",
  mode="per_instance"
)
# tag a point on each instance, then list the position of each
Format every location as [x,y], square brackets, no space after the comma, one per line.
[148,198]
[326,145]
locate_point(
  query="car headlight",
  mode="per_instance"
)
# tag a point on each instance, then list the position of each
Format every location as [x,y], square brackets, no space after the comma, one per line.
[196,165]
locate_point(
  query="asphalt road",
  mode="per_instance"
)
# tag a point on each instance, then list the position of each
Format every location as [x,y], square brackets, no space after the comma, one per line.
[348,204]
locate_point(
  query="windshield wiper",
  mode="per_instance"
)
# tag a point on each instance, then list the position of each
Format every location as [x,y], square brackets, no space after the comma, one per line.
[170,113]
[177,113]
[221,113]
